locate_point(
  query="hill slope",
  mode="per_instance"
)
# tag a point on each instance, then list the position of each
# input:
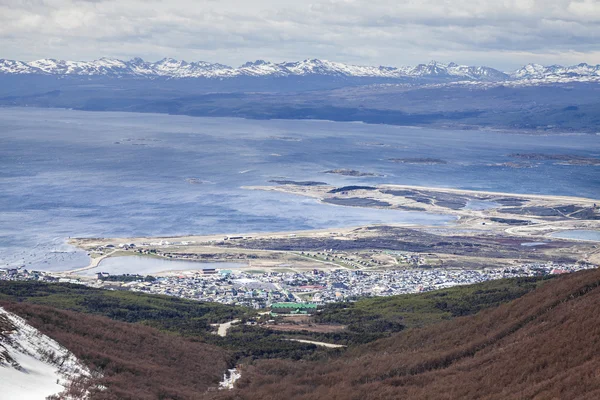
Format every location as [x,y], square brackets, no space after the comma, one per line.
[543,345]
[33,366]
[137,362]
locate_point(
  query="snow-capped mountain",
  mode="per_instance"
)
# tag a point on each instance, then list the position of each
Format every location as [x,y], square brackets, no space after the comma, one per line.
[32,365]
[176,69]
[171,68]
[537,71]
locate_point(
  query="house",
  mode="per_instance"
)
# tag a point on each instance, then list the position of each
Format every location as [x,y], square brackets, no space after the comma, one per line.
[293,308]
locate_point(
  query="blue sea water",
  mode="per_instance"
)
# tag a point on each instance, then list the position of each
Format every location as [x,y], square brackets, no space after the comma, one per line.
[66,173]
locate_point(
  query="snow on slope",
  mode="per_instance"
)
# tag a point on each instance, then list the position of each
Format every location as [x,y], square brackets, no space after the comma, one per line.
[32,366]
[229,379]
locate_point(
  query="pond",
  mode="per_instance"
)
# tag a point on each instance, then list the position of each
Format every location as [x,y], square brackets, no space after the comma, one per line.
[533,244]
[149,265]
[479,205]
[579,234]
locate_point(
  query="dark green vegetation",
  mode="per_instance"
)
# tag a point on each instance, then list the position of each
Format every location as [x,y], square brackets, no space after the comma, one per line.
[384,314]
[249,343]
[367,319]
[543,345]
[370,319]
[167,313]
[374,318]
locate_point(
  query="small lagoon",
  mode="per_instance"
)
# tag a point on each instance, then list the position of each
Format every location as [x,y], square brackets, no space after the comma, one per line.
[150,265]
[480,205]
[579,234]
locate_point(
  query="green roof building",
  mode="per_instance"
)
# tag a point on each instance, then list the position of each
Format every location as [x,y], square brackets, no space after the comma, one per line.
[293,308]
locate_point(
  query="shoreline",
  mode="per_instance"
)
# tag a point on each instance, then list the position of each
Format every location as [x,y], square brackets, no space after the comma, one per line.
[432,126]
[444,190]
[315,192]
[509,217]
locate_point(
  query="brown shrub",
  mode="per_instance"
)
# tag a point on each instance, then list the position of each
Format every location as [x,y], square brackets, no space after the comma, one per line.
[137,362]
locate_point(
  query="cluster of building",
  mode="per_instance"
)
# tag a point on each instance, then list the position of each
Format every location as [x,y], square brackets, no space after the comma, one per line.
[22,274]
[317,286]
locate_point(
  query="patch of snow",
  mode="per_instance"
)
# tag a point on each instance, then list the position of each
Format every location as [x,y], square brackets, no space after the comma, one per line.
[38,366]
[229,379]
[322,344]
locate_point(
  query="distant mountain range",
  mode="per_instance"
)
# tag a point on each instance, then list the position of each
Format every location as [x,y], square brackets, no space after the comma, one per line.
[532,98]
[174,69]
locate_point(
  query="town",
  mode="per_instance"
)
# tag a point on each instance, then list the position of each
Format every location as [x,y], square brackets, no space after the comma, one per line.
[261,290]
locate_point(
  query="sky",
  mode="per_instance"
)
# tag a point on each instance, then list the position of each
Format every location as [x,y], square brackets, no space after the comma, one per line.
[500,33]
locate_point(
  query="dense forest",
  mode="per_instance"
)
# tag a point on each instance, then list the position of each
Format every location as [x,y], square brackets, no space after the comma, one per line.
[365,320]
[377,314]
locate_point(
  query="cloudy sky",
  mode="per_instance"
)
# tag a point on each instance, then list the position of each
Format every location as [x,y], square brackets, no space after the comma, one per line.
[500,33]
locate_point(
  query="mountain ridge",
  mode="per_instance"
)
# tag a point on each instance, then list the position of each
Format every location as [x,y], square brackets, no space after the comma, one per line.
[179,69]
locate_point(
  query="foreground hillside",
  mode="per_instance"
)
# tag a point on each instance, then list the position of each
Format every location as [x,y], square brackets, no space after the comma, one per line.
[33,366]
[473,341]
[136,362]
[544,345]
[365,320]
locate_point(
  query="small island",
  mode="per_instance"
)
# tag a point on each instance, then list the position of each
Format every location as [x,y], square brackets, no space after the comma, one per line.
[350,172]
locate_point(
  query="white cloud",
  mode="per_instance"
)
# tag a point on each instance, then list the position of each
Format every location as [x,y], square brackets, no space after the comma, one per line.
[359,31]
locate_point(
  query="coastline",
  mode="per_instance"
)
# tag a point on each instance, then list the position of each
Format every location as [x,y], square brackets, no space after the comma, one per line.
[496,223]
[433,125]
[318,191]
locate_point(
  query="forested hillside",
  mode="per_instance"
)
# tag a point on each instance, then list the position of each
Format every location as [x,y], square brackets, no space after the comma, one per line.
[543,345]
[474,341]
[168,313]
